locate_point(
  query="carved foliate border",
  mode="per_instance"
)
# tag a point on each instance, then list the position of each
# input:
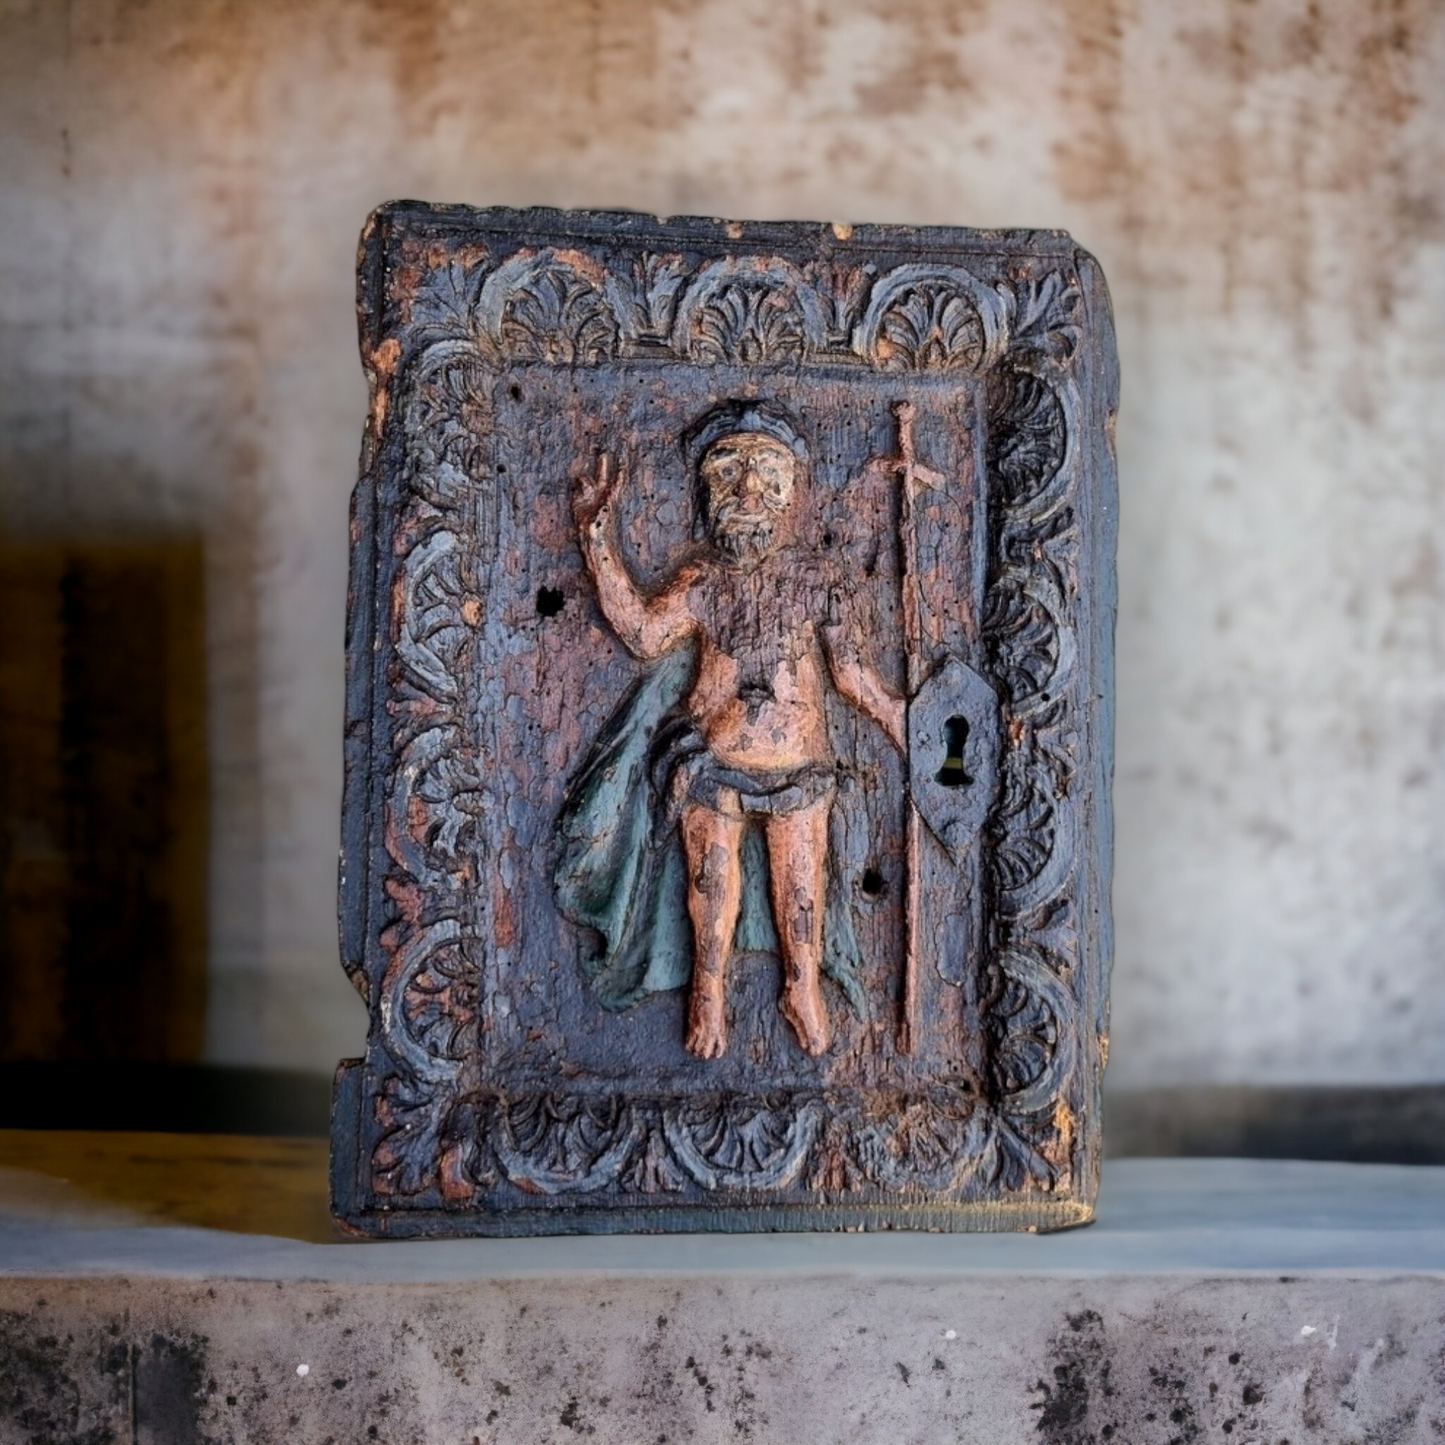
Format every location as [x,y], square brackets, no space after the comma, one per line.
[442,1137]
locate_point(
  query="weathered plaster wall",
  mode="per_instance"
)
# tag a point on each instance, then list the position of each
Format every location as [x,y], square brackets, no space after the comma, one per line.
[1264,183]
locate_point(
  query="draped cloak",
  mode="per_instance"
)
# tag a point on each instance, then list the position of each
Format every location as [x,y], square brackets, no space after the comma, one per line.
[621,869]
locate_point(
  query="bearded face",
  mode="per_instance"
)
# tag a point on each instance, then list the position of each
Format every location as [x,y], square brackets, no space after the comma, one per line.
[749,480]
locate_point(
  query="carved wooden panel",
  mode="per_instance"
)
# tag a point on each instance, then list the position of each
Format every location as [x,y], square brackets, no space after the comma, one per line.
[726,837]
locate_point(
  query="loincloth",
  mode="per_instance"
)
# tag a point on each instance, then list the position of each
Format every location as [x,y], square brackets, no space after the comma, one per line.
[768,793]
[698,777]
[621,870]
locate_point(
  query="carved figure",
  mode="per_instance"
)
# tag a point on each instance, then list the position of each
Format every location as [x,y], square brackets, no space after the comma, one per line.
[765,629]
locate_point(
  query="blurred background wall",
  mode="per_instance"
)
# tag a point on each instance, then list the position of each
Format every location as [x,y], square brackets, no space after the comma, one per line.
[181,187]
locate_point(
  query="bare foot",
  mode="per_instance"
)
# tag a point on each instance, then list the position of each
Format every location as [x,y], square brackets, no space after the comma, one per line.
[803,1007]
[707,1030]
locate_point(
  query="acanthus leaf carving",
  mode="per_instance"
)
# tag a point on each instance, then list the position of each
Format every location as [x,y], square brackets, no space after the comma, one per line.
[739,1142]
[551,306]
[1029,439]
[843,288]
[1030,857]
[646,298]
[749,311]
[931,1142]
[1034,647]
[1043,313]
[925,317]
[404,1158]
[440,1002]
[1028,1153]
[559,1143]
[433,636]
[448,425]
[433,950]
[1029,630]
[428,1000]
[437,291]
[1031,1017]
[438,800]
[653,1169]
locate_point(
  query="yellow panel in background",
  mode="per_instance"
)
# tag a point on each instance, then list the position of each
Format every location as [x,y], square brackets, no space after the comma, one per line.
[213,1181]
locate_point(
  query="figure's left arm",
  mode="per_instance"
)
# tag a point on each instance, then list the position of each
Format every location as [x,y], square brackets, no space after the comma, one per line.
[857,681]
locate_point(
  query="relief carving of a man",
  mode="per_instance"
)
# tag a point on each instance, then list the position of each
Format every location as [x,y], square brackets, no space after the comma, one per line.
[727,733]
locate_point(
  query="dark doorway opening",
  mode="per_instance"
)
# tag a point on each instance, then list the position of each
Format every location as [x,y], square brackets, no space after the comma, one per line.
[103,786]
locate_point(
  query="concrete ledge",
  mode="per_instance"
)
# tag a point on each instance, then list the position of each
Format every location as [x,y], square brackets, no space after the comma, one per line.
[1156,1216]
[1215,1300]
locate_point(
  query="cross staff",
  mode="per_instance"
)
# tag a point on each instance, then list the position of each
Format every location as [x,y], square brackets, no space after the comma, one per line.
[911,478]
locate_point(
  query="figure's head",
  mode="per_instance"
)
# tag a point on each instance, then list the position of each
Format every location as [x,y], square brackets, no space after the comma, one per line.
[749,459]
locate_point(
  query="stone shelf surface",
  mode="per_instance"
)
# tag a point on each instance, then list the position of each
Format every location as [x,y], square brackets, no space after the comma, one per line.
[1156,1216]
[1220,1300]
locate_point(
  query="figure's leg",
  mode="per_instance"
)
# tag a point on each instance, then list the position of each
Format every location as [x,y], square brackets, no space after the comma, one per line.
[797,880]
[712,844]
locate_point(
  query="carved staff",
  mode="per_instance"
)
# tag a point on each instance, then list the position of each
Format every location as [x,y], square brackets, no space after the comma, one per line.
[952,714]
[908,480]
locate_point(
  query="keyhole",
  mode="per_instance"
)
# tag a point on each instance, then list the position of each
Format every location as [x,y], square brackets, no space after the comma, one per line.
[953,774]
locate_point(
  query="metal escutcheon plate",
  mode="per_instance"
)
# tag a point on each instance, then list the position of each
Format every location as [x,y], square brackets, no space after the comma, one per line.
[953,753]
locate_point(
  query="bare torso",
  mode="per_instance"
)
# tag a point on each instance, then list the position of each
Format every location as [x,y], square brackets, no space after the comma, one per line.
[745,728]
[758,694]
[769,642]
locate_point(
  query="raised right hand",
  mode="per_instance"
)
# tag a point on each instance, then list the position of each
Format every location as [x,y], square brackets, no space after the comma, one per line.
[594,492]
